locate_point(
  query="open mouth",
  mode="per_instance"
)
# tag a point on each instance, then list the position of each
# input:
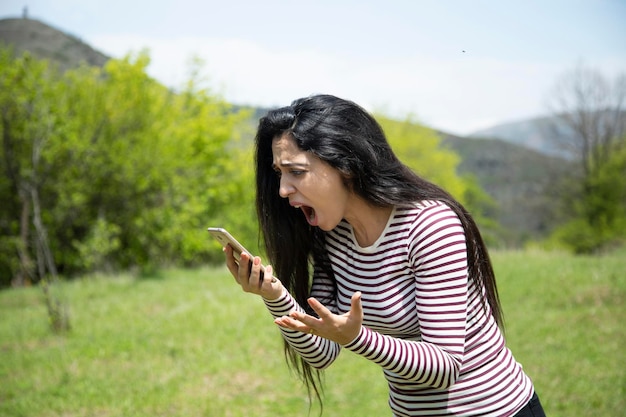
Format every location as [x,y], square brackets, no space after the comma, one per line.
[309,214]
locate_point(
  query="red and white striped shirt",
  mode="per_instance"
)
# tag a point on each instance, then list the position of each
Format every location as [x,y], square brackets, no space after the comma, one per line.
[424,323]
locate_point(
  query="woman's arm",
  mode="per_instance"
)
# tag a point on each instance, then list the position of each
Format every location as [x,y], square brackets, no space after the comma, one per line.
[319,352]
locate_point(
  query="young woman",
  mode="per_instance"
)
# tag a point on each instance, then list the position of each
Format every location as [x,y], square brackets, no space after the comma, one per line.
[400,274]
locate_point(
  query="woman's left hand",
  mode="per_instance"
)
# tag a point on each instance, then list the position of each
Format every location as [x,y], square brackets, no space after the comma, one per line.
[342,328]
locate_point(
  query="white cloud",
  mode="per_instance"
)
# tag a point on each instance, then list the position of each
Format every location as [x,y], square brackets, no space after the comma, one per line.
[459,94]
[405,59]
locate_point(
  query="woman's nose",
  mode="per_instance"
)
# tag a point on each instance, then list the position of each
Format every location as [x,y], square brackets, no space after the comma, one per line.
[285,188]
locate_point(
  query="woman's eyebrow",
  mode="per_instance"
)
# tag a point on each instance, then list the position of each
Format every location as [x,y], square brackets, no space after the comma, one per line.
[289,164]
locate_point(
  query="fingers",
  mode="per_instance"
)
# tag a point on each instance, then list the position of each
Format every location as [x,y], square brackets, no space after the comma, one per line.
[299,321]
[256,278]
[249,272]
[231,262]
[324,313]
[291,323]
[252,276]
[320,309]
[341,328]
[356,308]
[306,323]
[268,275]
[241,268]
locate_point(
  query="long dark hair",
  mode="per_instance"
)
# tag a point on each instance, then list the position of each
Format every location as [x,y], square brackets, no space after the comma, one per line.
[348,138]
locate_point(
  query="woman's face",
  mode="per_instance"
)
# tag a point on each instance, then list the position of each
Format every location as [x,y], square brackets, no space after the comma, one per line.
[310,184]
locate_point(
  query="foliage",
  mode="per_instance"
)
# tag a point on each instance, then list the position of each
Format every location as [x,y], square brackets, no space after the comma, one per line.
[26,86]
[191,343]
[129,173]
[599,211]
[103,240]
[419,148]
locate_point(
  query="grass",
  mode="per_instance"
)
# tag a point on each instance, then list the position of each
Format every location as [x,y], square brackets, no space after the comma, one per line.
[190,343]
[566,320]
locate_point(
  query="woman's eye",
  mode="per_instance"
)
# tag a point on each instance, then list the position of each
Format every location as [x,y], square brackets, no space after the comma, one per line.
[292,172]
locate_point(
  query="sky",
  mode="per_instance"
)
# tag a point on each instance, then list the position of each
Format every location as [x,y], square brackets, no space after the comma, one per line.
[458,66]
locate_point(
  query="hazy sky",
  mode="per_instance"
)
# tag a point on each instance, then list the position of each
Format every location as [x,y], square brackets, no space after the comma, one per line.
[454,65]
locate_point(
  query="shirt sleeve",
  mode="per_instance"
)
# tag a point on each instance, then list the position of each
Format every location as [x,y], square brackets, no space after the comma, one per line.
[437,253]
[319,352]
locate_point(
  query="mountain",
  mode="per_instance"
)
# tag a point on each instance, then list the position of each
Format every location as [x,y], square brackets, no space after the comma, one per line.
[535,133]
[518,177]
[521,181]
[46,42]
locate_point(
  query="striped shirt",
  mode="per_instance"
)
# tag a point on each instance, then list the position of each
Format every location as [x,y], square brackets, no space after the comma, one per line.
[424,324]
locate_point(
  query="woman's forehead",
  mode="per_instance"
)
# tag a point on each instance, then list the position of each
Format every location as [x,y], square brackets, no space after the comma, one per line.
[285,145]
[285,153]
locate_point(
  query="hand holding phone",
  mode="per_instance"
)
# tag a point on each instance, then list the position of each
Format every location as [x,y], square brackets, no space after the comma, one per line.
[225,238]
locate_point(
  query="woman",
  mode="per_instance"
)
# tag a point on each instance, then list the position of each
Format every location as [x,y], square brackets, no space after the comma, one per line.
[400,274]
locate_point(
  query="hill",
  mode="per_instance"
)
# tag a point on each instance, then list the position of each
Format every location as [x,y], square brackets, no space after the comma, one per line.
[519,179]
[532,133]
[515,176]
[46,42]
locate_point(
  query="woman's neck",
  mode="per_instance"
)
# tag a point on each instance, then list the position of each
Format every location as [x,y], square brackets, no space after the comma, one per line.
[368,222]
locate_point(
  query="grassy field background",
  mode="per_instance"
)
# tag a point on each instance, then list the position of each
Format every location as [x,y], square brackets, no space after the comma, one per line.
[190,343]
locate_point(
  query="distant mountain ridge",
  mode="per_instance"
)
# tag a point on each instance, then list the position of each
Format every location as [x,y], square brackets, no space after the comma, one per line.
[46,42]
[532,133]
[511,162]
[522,181]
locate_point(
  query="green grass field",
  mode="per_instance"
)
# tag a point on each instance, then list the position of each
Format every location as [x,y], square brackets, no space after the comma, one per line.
[190,343]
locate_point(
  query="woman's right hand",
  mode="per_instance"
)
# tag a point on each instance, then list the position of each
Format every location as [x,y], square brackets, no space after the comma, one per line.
[268,287]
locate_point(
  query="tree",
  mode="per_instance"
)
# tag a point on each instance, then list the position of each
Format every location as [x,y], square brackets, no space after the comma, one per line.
[592,115]
[107,169]
[591,127]
[27,123]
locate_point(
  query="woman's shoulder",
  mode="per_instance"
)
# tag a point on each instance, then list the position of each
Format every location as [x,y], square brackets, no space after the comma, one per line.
[430,225]
[406,220]
[422,209]
[425,217]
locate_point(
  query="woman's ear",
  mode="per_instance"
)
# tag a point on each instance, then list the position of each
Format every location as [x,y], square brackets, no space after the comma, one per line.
[347,179]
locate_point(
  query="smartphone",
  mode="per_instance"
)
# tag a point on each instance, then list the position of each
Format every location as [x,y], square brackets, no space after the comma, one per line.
[225,238]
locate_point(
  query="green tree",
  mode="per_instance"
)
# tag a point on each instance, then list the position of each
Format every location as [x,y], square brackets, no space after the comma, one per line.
[600,210]
[28,120]
[27,124]
[127,173]
[203,141]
